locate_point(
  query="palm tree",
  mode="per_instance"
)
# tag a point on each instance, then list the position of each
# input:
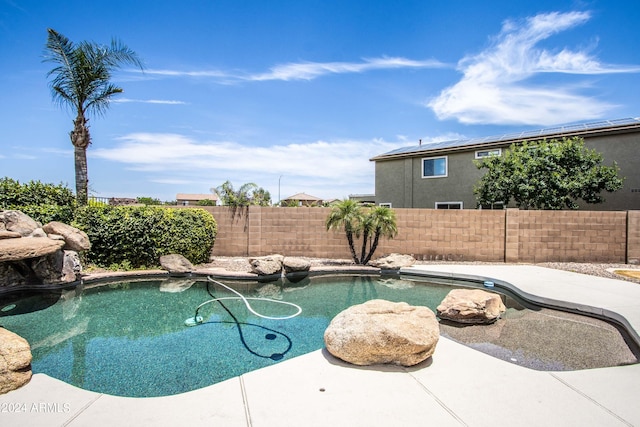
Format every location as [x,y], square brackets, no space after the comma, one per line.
[247,194]
[346,214]
[81,81]
[382,221]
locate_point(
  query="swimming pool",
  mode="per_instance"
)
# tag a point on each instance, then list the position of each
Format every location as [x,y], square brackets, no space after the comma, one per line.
[130,339]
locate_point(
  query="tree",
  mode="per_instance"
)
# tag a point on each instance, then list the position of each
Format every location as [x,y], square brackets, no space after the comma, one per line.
[247,194]
[380,220]
[82,81]
[356,220]
[546,175]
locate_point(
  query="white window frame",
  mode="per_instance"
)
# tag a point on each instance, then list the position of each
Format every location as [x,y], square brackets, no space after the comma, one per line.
[446,166]
[385,205]
[450,203]
[490,153]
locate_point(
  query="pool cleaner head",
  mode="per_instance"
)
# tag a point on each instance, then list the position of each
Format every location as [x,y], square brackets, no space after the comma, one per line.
[193,321]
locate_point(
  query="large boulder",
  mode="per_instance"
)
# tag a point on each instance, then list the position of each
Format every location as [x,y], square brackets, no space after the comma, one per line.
[15,361]
[59,267]
[76,240]
[18,222]
[393,262]
[267,265]
[28,247]
[380,331]
[176,263]
[471,306]
[295,265]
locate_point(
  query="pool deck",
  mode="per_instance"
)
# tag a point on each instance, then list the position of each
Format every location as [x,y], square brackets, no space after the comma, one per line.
[458,386]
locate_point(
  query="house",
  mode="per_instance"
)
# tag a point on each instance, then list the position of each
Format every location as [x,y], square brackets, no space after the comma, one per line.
[442,175]
[193,199]
[301,199]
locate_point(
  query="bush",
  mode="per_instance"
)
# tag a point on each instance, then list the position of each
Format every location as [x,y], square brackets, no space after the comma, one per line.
[139,236]
[12,193]
[47,213]
[42,202]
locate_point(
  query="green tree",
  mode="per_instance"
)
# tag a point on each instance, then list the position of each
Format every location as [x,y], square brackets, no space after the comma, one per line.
[544,174]
[82,81]
[247,194]
[381,221]
[356,220]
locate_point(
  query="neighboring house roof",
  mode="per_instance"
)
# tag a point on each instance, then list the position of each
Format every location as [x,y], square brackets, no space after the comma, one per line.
[304,197]
[583,129]
[196,197]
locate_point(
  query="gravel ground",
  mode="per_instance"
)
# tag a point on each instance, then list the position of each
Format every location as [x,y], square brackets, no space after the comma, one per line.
[241,264]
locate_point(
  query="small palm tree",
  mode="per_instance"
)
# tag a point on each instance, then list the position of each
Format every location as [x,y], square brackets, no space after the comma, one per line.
[347,214]
[382,221]
[82,81]
[372,224]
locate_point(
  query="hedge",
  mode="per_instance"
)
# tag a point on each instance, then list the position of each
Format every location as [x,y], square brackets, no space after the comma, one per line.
[139,236]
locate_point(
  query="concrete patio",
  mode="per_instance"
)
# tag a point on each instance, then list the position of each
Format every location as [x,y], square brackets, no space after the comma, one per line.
[458,386]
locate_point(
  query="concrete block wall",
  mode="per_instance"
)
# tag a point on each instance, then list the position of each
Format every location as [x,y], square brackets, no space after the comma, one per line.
[633,237]
[453,235]
[508,235]
[569,236]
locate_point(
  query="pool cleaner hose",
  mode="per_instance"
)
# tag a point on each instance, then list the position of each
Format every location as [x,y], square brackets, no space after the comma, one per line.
[197,319]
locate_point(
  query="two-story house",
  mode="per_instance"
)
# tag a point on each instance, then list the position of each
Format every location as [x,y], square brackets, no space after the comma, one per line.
[442,175]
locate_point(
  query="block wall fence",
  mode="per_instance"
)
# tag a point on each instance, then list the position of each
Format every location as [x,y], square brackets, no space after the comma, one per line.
[509,235]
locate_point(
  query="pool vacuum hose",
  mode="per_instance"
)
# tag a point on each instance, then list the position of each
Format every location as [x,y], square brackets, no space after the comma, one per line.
[196,319]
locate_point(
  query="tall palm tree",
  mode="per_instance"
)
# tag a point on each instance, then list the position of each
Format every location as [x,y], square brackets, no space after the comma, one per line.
[81,81]
[347,214]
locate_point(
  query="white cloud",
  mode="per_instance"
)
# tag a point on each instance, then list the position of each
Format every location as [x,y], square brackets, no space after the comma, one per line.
[336,167]
[312,70]
[495,87]
[303,70]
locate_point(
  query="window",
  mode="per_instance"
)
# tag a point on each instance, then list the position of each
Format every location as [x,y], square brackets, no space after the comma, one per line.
[434,167]
[493,206]
[488,153]
[385,205]
[448,205]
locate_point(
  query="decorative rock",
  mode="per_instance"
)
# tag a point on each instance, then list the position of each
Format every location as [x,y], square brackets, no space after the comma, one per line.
[380,331]
[28,247]
[4,234]
[393,262]
[18,222]
[471,306]
[176,263]
[267,265]
[293,265]
[76,240]
[59,267]
[15,361]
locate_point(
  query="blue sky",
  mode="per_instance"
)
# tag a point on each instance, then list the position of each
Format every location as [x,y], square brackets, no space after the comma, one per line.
[297,96]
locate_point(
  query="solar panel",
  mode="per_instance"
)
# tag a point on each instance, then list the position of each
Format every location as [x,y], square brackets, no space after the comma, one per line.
[524,135]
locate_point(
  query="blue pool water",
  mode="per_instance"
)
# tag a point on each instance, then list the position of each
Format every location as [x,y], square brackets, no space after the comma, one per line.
[130,338]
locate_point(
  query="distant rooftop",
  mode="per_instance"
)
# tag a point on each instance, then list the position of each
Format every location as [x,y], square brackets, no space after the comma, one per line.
[559,131]
[196,197]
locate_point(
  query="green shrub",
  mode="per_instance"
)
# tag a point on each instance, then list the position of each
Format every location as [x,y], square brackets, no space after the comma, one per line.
[47,213]
[139,236]
[12,193]
[42,202]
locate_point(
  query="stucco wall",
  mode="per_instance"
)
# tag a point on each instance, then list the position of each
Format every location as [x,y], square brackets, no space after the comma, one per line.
[508,235]
[399,181]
